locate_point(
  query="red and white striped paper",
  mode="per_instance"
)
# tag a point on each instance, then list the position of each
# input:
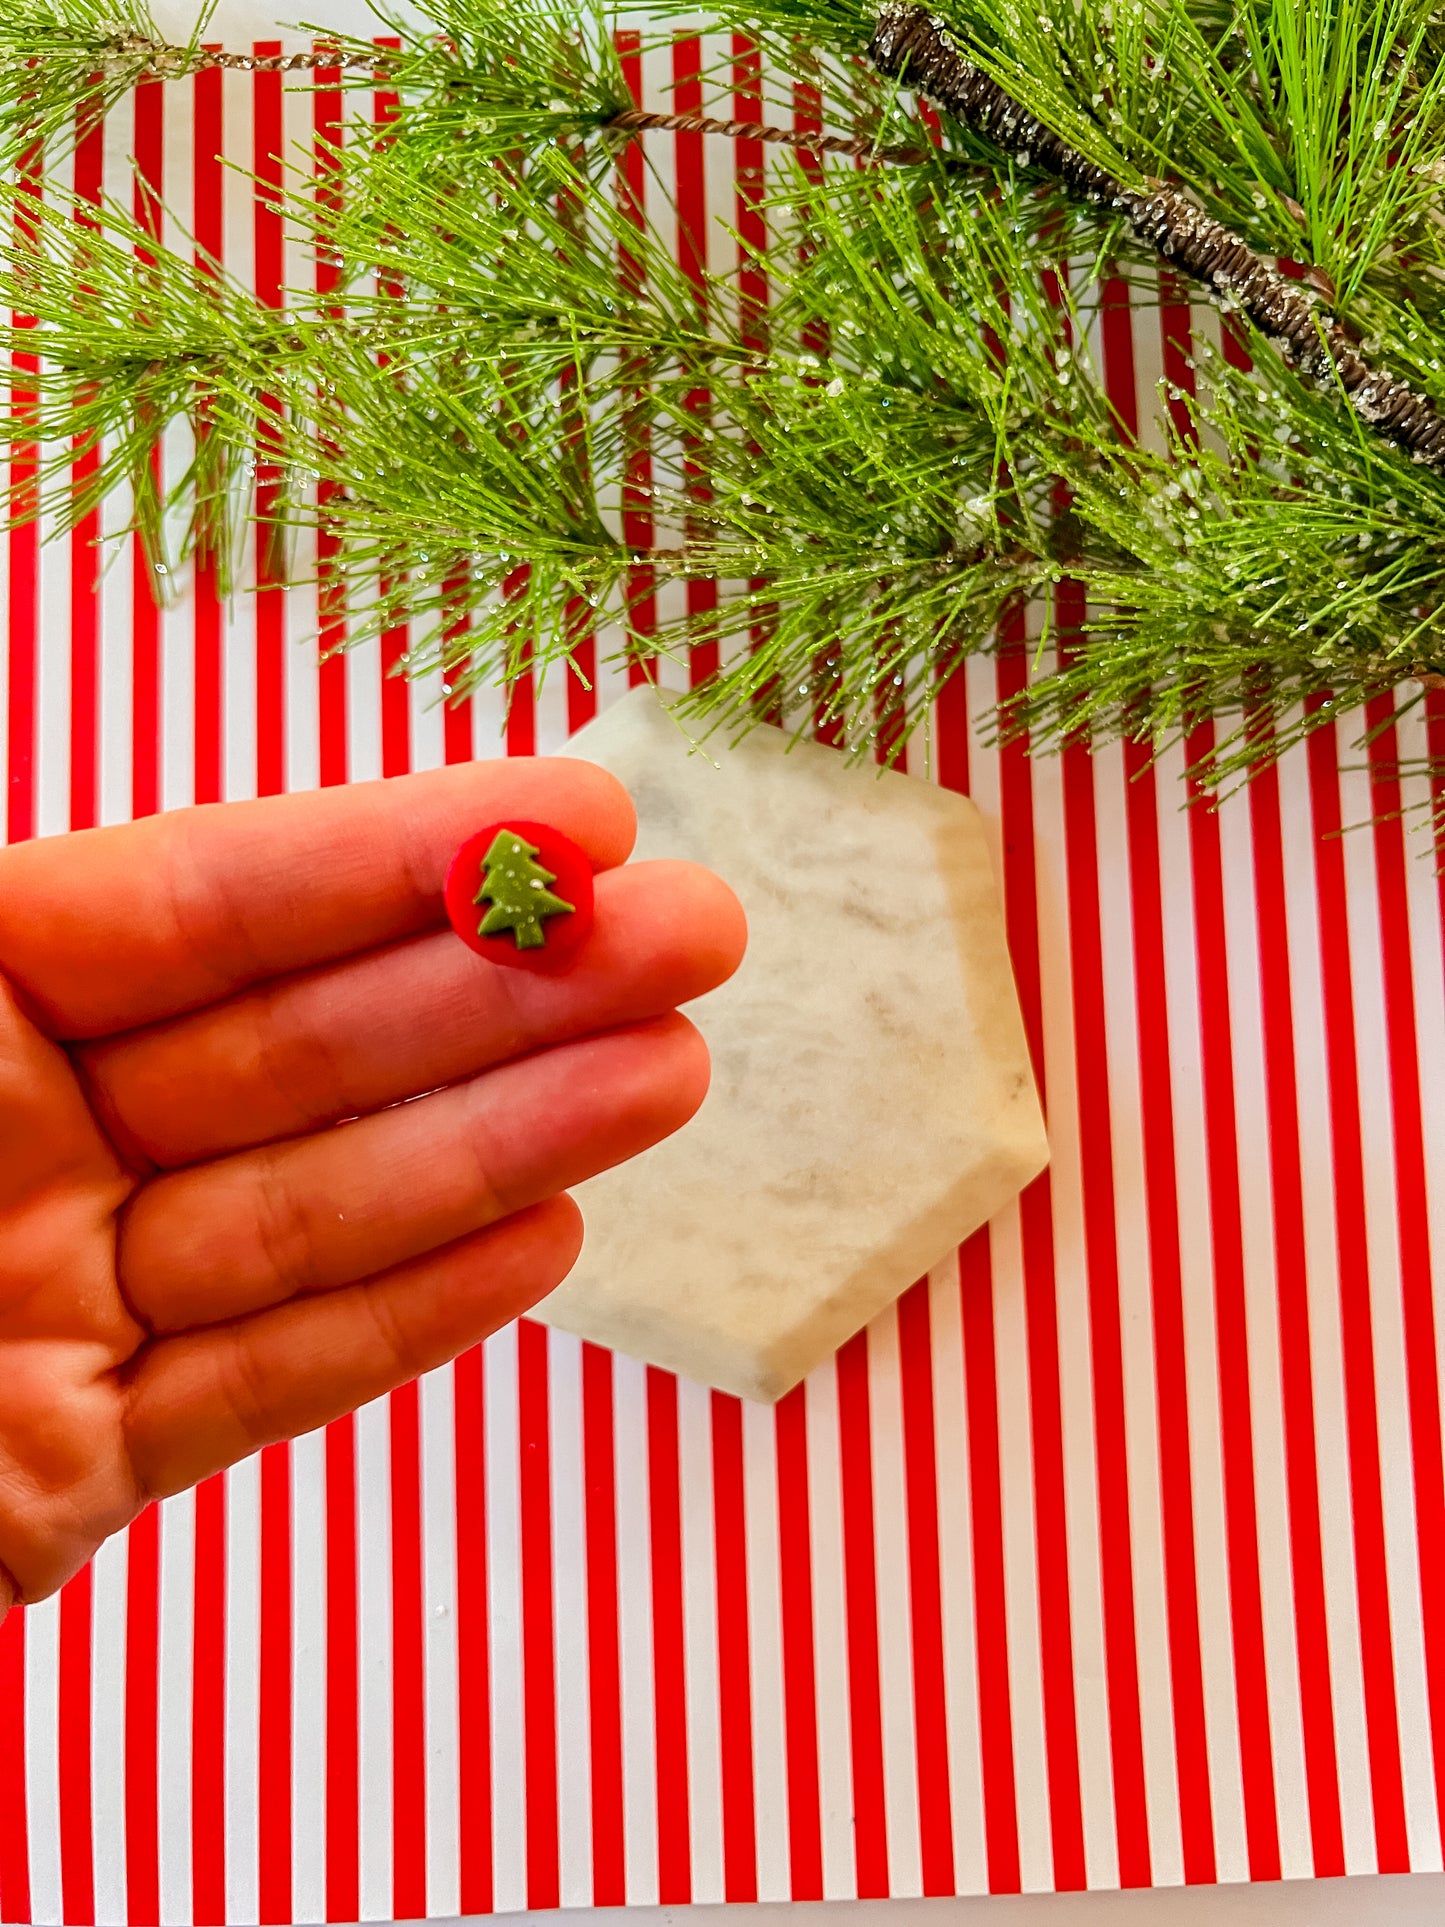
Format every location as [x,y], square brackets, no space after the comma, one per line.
[1115,1555]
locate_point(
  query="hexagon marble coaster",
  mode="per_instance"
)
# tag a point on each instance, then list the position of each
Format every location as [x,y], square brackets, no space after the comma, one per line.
[872,1101]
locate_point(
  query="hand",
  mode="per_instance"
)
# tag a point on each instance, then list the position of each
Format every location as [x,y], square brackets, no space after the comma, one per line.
[219,1223]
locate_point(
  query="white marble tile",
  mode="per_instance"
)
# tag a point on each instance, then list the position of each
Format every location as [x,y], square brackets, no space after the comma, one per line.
[872,1101]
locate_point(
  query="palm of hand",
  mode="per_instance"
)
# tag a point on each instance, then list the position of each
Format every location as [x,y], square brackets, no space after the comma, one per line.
[220,1221]
[66,1336]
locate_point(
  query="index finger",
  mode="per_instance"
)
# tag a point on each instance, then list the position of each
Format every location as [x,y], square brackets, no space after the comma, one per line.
[104,930]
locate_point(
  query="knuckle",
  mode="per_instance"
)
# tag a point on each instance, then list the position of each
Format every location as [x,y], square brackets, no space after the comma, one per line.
[283,1231]
[298,1062]
[398,1344]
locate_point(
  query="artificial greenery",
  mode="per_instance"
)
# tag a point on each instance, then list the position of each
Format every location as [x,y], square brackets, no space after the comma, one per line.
[886,430]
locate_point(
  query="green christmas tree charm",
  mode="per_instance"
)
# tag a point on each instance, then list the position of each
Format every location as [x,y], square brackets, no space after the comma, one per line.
[515,885]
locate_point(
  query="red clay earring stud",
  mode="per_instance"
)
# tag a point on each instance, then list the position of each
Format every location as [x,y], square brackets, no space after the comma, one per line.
[520,894]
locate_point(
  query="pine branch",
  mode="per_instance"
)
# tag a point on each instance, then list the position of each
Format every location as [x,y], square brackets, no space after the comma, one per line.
[910,45]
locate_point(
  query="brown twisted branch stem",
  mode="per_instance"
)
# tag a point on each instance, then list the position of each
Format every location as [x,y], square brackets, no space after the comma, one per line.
[909,45]
[636,121]
[165,61]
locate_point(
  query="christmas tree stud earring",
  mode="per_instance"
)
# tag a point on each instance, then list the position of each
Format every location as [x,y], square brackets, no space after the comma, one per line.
[520,894]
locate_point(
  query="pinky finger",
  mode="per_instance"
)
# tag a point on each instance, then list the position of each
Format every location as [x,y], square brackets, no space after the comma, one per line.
[204,1399]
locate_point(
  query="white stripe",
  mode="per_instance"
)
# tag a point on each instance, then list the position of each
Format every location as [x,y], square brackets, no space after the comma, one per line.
[107,1728]
[363,710]
[1020,1554]
[42,1758]
[374,1694]
[176,667]
[955,1550]
[443,1737]
[243,1678]
[308,1677]
[895,1620]
[765,1652]
[428,722]
[174,1684]
[504,1580]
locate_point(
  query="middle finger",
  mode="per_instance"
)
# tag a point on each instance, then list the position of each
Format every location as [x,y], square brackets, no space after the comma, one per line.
[293,1056]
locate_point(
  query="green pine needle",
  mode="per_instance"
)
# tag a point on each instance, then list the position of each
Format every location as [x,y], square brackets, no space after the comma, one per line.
[516,417]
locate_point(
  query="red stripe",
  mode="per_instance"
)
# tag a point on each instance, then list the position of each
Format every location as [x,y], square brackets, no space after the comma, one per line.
[270,599]
[343,1845]
[800,1690]
[1296,1373]
[748,175]
[637,461]
[208,1709]
[925,1592]
[77,1856]
[1361,1419]
[1061,1736]
[328,127]
[208,220]
[674,1855]
[1106,1352]
[735,1689]
[1186,1672]
[604,1668]
[521,733]
[582,669]
[273,1799]
[474,1689]
[860,1598]
[990,1613]
[539,1678]
[408,1660]
[23,538]
[84,553]
[692,228]
[14,1828]
[395,702]
[142,1643]
[145,622]
[1412,1208]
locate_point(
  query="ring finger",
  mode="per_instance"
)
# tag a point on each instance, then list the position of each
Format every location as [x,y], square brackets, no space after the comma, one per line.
[221,1240]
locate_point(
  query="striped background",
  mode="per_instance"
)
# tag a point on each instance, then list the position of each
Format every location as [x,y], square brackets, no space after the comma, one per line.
[1116,1555]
